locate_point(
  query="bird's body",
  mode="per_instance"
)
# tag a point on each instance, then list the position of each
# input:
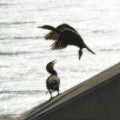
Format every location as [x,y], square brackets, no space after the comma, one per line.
[70,34]
[53,81]
[65,35]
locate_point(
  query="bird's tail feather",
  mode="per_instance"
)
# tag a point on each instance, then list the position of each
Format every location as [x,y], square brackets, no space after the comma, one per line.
[89,49]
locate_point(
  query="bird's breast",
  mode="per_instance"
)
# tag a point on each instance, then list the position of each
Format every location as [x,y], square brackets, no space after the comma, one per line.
[53,79]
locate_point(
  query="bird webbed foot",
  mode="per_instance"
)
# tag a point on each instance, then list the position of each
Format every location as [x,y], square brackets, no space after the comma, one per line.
[58,94]
[51,98]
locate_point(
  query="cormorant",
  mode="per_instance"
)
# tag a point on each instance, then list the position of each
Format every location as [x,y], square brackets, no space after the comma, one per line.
[53,81]
[65,35]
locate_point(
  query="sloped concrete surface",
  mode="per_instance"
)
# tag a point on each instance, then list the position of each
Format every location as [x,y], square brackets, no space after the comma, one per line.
[96,98]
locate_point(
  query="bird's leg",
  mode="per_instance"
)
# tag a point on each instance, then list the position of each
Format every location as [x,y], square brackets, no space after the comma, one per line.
[51,95]
[80,53]
[58,93]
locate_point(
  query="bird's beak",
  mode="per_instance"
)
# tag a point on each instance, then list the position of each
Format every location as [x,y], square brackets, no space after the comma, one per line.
[54,62]
[39,27]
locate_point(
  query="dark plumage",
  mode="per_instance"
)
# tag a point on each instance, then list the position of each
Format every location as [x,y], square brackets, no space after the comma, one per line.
[53,80]
[65,35]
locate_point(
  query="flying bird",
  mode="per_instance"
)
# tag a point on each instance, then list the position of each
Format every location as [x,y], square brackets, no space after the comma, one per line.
[64,35]
[53,81]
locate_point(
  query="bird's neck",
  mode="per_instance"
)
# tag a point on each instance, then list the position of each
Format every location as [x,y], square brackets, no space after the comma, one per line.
[52,71]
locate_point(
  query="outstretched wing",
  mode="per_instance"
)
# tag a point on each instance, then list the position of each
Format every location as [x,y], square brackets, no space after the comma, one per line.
[54,36]
[67,37]
[63,36]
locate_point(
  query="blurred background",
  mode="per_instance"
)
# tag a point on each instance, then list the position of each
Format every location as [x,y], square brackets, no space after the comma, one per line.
[24,53]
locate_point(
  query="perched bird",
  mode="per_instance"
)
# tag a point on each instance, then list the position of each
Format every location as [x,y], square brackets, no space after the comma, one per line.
[65,35]
[53,81]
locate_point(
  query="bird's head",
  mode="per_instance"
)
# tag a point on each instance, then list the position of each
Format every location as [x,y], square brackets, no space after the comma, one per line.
[50,66]
[45,27]
[48,27]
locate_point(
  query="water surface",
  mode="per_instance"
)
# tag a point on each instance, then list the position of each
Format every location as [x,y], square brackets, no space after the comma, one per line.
[24,53]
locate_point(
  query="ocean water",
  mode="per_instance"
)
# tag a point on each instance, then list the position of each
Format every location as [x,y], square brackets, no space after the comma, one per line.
[24,53]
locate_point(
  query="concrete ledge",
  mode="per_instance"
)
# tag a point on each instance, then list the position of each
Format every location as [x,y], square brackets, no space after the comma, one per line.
[95,98]
[10,117]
